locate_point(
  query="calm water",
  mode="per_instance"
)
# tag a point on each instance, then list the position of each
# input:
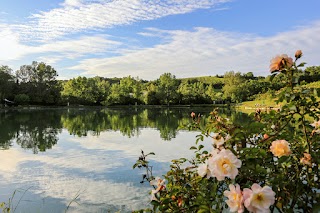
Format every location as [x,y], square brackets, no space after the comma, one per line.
[54,155]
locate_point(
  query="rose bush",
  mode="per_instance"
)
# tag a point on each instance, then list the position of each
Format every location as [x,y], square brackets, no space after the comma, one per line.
[269,165]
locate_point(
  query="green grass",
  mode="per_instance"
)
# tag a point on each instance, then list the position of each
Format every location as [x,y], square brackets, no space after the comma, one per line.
[265,101]
[251,106]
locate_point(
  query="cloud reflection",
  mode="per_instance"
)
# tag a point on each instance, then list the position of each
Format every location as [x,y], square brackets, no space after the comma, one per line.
[149,141]
[100,167]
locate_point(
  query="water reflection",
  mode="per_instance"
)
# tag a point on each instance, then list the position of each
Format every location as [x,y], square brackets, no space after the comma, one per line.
[128,122]
[90,150]
[37,130]
[34,130]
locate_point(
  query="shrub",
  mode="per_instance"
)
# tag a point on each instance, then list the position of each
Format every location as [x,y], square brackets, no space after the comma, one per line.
[271,164]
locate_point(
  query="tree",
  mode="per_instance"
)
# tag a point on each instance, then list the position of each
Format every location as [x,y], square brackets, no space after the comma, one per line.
[38,81]
[36,73]
[311,74]
[186,91]
[248,75]
[128,91]
[150,96]
[167,90]
[103,88]
[210,92]
[192,93]
[137,90]
[83,90]
[6,82]
[231,89]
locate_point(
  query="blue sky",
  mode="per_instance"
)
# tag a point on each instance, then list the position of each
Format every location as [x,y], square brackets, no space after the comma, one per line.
[146,38]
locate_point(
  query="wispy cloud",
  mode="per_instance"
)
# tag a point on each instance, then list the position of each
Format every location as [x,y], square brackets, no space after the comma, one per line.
[11,48]
[47,32]
[54,51]
[73,48]
[208,51]
[72,3]
[185,53]
[78,15]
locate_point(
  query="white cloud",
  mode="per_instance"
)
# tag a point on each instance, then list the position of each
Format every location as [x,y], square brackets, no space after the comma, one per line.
[10,44]
[201,51]
[149,140]
[10,161]
[51,178]
[77,15]
[54,51]
[73,48]
[50,59]
[206,51]
[94,195]
[72,3]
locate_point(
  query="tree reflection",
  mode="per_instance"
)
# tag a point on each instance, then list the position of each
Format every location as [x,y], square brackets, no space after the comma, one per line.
[38,130]
[80,123]
[7,130]
[128,121]
[37,139]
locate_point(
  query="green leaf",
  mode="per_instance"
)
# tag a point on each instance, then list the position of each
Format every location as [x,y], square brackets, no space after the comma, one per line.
[203,209]
[151,153]
[293,108]
[272,77]
[205,152]
[155,203]
[199,137]
[182,160]
[165,200]
[302,64]
[135,165]
[200,147]
[283,159]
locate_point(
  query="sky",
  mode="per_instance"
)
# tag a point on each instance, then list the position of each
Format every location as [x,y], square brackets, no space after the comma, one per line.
[146,38]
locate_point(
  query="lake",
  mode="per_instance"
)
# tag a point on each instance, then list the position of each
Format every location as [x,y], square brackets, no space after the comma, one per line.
[52,156]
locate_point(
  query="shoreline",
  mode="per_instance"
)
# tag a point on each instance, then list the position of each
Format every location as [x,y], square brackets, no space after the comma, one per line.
[83,107]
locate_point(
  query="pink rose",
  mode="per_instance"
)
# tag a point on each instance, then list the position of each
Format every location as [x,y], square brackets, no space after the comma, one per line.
[280,62]
[258,199]
[280,148]
[235,198]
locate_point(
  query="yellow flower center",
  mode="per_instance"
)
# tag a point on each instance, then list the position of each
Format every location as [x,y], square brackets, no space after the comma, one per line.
[279,149]
[225,166]
[235,196]
[258,198]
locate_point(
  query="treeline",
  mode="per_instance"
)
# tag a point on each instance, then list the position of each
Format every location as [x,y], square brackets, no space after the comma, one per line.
[31,84]
[37,84]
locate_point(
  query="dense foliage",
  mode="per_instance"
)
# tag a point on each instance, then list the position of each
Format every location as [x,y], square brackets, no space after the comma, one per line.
[37,84]
[31,84]
[270,164]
